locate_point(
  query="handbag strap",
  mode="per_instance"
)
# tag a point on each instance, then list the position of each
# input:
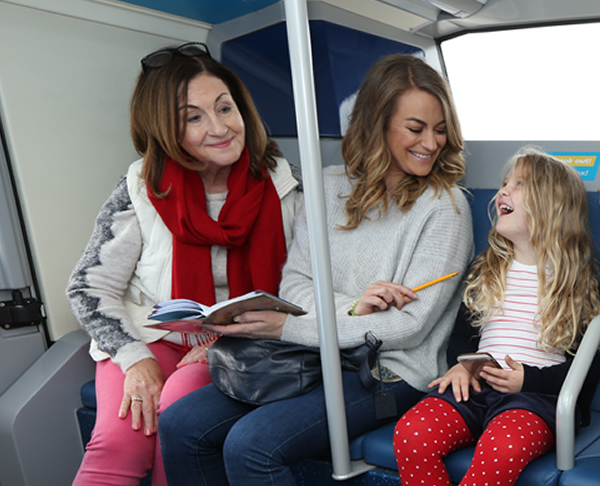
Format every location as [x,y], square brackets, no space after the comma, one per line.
[385,402]
[363,359]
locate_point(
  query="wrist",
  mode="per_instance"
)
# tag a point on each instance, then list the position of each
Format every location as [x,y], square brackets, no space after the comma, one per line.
[352,311]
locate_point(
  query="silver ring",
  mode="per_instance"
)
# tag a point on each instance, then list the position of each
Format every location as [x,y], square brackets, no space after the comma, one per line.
[137,399]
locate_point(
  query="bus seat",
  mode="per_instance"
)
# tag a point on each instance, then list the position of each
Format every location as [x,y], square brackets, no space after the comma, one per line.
[587,464]
[39,433]
[88,394]
[376,447]
[377,450]
[86,415]
[479,200]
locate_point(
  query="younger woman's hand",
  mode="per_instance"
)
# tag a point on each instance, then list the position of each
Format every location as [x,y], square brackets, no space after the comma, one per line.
[380,295]
[459,378]
[505,381]
[253,325]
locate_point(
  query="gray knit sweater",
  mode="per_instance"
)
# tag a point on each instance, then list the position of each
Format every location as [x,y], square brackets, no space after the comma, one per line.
[431,240]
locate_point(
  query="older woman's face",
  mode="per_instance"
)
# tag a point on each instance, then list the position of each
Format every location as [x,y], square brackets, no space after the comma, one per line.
[214,131]
[416,135]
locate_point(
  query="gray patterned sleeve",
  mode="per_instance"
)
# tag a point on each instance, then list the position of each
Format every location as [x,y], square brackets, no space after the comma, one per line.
[100,279]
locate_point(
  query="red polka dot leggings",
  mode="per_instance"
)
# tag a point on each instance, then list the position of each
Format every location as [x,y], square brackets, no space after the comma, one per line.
[433,428]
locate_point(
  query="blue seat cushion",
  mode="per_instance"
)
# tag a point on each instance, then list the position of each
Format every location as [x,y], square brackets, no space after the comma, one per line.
[86,418]
[378,450]
[585,473]
[479,200]
[587,462]
[88,394]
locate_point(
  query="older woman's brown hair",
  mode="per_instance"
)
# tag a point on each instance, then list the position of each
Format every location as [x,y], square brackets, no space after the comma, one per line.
[156,128]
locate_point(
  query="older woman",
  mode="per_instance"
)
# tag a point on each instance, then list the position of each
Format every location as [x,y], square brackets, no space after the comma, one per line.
[396,220]
[206,214]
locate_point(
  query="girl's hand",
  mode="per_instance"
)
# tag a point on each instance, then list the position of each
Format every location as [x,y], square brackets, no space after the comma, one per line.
[194,355]
[144,380]
[460,379]
[505,381]
[253,325]
[380,295]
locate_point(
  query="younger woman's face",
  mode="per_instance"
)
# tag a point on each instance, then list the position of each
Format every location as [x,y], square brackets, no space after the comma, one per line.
[512,220]
[416,135]
[213,128]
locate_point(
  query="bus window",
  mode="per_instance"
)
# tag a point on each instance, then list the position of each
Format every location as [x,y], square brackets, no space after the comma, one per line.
[527,84]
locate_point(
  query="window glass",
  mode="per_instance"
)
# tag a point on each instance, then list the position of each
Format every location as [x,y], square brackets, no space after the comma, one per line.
[527,84]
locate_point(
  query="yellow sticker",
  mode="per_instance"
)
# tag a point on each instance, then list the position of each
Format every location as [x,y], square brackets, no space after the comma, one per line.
[586,163]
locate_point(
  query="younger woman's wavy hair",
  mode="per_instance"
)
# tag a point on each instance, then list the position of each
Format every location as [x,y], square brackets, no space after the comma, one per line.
[366,154]
[556,208]
[156,127]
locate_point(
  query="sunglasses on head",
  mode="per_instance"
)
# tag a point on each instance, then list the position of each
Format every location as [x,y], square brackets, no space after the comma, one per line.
[161,58]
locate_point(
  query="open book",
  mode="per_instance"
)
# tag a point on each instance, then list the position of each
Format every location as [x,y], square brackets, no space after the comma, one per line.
[184,315]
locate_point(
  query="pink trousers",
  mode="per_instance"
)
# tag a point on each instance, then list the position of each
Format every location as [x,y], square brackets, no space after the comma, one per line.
[117,454]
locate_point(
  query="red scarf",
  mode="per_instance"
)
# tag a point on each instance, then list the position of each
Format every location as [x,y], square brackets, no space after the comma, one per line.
[250,226]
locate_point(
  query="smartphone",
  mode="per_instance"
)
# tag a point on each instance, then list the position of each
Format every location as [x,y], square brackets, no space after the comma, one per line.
[474,362]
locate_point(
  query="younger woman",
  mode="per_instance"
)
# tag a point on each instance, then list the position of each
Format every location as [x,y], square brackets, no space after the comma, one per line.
[531,294]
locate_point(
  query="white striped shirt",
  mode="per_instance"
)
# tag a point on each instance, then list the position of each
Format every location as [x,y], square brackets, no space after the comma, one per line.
[515,331]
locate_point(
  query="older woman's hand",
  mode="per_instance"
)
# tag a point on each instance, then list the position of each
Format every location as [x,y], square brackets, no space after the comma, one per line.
[460,379]
[253,325]
[143,383]
[380,295]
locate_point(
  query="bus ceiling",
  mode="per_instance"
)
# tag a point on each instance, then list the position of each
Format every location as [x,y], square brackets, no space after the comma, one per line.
[433,18]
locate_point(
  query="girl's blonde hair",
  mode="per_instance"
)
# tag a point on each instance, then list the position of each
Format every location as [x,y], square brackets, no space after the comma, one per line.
[365,151]
[556,208]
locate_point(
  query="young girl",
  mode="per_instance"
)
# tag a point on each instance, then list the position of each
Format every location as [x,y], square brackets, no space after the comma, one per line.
[531,295]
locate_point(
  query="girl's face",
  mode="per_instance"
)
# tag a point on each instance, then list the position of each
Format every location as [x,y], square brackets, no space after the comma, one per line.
[416,136]
[512,222]
[214,131]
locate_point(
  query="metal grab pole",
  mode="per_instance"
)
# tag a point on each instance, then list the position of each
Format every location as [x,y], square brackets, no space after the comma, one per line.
[296,15]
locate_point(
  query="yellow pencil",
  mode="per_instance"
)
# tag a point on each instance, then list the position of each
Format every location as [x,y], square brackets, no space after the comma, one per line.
[437,280]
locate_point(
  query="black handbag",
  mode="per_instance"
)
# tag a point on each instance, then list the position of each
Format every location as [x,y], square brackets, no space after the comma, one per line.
[260,371]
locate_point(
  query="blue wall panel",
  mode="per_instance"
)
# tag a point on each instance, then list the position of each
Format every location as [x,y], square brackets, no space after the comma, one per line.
[341,58]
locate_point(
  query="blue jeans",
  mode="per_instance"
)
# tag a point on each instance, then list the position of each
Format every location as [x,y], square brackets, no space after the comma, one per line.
[210,439]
